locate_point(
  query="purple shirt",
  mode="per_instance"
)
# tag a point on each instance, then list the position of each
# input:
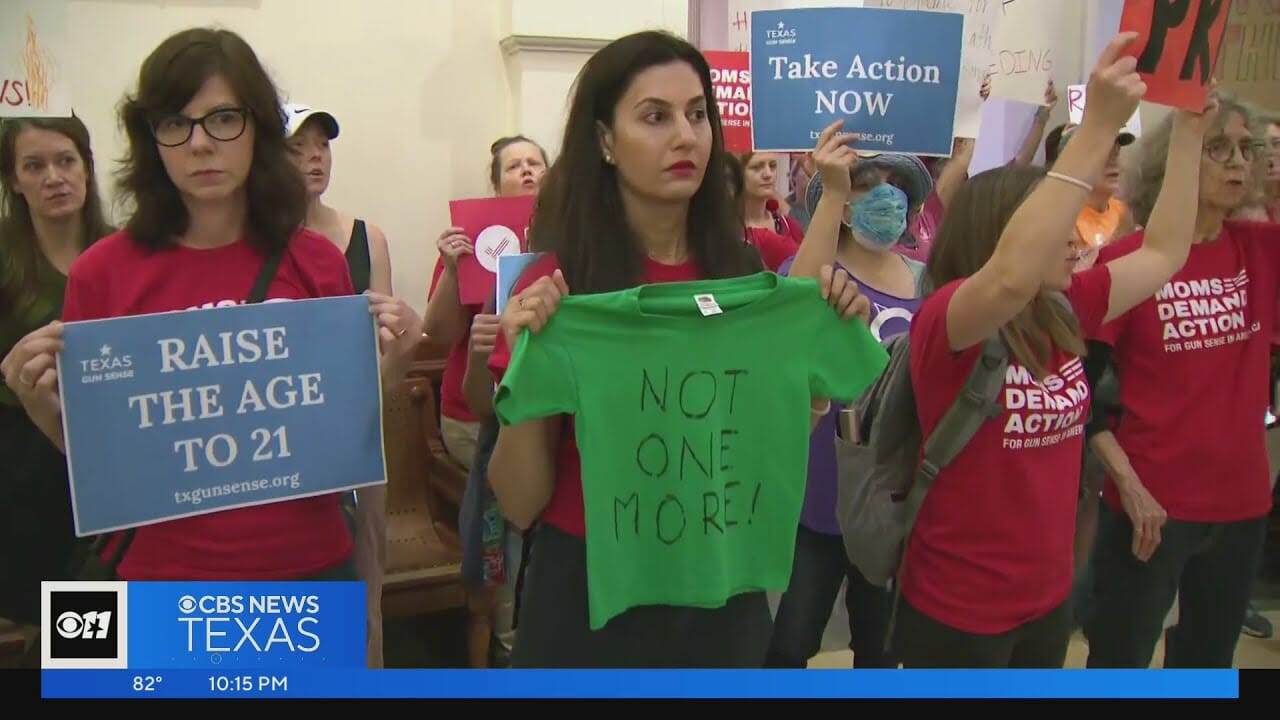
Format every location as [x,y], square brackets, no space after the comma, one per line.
[923,227]
[889,316]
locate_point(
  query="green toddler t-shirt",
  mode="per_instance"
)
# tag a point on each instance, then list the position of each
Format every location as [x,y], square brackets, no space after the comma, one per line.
[691,404]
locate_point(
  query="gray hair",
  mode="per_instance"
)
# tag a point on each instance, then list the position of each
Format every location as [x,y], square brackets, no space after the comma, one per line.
[1145,167]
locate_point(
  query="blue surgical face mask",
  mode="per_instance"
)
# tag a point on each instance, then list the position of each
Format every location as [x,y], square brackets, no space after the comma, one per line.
[879,217]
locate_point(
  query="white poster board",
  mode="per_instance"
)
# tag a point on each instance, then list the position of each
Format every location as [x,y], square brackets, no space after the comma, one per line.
[1026,42]
[1075,110]
[34,59]
[981,21]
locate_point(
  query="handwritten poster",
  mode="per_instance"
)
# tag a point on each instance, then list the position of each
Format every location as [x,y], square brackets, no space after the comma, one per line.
[497,226]
[1249,66]
[1025,42]
[34,59]
[187,413]
[978,56]
[891,75]
[731,79]
[1076,95]
[1177,47]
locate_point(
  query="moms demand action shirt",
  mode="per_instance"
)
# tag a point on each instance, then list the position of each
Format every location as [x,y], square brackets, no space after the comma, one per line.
[1193,364]
[992,545]
[117,277]
[691,410]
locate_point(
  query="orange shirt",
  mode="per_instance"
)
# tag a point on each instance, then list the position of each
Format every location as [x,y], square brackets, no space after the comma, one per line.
[1095,228]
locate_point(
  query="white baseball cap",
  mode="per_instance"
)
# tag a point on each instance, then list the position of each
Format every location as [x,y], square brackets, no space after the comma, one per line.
[296,114]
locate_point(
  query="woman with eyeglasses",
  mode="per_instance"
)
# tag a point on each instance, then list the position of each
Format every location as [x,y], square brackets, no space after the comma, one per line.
[215,192]
[1188,491]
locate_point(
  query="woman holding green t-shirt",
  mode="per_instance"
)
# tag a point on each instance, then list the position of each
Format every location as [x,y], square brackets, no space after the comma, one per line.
[637,197]
[51,212]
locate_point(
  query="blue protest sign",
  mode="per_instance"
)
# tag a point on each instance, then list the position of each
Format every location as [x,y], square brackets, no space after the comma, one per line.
[187,413]
[891,75]
[509,269]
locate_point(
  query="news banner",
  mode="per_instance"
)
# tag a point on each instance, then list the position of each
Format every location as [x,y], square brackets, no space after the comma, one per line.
[304,640]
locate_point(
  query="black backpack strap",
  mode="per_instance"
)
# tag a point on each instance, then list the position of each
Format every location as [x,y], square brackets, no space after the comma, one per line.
[266,275]
[978,401]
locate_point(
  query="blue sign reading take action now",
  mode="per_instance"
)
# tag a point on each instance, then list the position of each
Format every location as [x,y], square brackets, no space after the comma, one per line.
[891,75]
[188,413]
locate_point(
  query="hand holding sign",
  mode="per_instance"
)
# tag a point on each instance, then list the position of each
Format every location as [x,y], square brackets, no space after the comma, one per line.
[1196,124]
[1115,88]
[30,371]
[533,307]
[453,244]
[834,156]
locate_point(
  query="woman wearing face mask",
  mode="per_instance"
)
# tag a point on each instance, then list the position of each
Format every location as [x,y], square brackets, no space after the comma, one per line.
[875,218]
[51,212]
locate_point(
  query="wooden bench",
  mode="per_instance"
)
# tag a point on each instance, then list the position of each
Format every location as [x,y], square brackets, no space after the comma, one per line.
[13,644]
[423,571]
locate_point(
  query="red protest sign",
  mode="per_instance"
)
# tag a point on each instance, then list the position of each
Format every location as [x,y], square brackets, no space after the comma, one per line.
[1177,47]
[731,79]
[497,227]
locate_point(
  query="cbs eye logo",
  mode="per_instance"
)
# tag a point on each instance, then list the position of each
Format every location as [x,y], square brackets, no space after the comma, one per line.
[83,625]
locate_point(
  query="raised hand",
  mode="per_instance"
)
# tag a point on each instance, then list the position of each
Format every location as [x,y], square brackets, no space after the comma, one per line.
[834,157]
[1115,88]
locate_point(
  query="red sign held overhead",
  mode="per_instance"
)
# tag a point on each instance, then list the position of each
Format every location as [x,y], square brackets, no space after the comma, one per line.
[1177,46]
[731,80]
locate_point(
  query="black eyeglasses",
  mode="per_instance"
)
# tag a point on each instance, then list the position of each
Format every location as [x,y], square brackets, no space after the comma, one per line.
[1222,150]
[225,125]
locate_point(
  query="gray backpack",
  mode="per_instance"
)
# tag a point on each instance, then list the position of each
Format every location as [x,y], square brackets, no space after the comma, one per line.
[882,476]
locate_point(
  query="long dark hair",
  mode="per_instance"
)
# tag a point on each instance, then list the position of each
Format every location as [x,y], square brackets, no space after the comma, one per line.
[173,73]
[580,215]
[22,266]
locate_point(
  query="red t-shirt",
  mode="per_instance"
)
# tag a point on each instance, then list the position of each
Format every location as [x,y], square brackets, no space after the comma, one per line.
[453,404]
[992,545]
[1193,365]
[565,510]
[117,277]
[774,249]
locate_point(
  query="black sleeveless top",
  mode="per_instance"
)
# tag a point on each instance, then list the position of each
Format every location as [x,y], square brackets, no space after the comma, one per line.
[358,261]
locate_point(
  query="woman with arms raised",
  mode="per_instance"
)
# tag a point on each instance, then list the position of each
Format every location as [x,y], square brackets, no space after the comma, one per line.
[987,569]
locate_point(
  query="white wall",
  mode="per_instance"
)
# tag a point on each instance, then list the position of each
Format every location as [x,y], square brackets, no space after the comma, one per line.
[421,88]
[417,85]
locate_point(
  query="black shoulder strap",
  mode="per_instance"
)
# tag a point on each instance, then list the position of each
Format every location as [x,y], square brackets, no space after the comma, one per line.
[259,293]
[265,276]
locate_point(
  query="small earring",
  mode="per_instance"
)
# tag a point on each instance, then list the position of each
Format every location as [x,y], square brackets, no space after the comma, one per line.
[608,158]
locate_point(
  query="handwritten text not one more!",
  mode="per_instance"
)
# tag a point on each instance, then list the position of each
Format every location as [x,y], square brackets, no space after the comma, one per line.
[853,102]
[205,402]
[698,457]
